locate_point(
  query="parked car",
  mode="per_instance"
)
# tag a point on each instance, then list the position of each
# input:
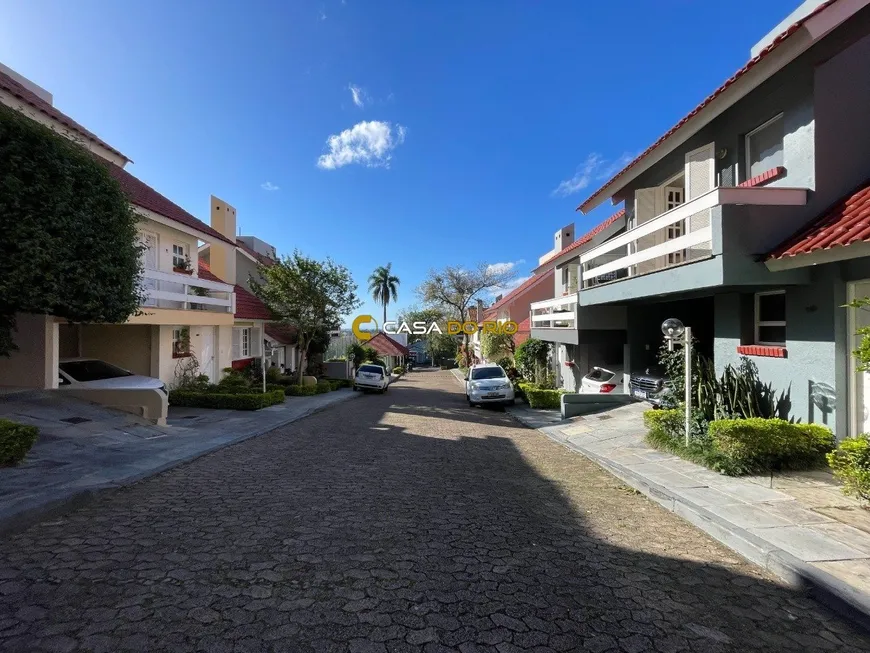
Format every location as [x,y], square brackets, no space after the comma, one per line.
[97,374]
[603,380]
[487,383]
[371,377]
[650,385]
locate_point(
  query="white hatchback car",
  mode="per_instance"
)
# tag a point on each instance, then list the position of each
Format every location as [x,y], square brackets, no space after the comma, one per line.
[96,374]
[488,384]
[371,377]
[602,380]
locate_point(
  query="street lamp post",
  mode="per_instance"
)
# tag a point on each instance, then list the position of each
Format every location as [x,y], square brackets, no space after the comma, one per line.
[677,333]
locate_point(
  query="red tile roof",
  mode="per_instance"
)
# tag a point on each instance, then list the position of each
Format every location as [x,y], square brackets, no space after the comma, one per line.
[846,222]
[725,86]
[283,333]
[9,85]
[141,194]
[248,306]
[528,284]
[386,346]
[585,238]
[264,260]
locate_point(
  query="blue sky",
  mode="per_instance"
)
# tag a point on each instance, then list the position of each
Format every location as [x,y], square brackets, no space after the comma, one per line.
[486,121]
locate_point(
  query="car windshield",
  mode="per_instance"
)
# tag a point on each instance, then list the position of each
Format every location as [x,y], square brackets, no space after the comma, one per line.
[487,373]
[598,374]
[372,369]
[83,371]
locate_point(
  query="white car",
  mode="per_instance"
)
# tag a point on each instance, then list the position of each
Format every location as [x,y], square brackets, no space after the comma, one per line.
[96,374]
[371,377]
[602,380]
[488,384]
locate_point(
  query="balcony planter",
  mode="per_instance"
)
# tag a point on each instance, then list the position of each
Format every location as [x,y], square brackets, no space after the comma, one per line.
[570,364]
[183,271]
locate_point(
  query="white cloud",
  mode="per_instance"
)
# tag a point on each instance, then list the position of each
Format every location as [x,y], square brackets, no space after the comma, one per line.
[369,143]
[268,185]
[322,14]
[359,95]
[505,289]
[500,268]
[594,168]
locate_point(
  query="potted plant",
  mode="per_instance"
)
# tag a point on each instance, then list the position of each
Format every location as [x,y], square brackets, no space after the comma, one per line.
[186,266]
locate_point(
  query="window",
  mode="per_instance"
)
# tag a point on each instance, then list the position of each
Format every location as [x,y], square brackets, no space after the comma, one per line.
[180,342]
[180,259]
[764,147]
[245,343]
[770,318]
[483,373]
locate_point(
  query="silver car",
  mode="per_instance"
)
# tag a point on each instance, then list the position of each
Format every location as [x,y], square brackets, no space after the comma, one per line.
[488,384]
[92,373]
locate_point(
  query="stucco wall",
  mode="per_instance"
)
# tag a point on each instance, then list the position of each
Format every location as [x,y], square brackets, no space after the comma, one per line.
[34,364]
[812,375]
[245,269]
[166,237]
[127,346]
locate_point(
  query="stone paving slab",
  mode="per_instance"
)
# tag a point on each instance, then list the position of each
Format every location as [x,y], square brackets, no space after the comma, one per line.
[792,528]
[68,464]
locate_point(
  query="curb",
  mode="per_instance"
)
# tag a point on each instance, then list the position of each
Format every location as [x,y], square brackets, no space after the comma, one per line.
[836,595]
[29,516]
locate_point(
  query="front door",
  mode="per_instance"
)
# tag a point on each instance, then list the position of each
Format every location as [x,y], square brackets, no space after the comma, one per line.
[206,354]
[149,262]
[859,392]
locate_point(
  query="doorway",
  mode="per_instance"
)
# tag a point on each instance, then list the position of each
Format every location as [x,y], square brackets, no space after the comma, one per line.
[206,354]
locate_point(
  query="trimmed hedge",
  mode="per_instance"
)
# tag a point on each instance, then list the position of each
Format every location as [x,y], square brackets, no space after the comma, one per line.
[15,441]
[230,401]
[741,446]
[851,464]
[322,387]
[300,390]
[542,398]
[398,369]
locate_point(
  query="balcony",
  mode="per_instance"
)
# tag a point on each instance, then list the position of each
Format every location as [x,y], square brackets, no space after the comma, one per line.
[185,292]
[685,234]
[559,313]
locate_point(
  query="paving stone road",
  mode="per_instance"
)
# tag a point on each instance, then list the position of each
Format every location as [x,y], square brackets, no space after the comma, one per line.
[401,522]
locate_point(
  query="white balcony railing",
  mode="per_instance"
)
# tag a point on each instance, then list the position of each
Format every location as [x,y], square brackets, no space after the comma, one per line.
[183,291]
[559,313]
[682,235]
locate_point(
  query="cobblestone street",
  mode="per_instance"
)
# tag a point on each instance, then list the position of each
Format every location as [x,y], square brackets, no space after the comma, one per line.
[396,522]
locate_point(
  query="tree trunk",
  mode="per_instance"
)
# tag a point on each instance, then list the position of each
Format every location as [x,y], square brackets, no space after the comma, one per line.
[385,315]
[303,359]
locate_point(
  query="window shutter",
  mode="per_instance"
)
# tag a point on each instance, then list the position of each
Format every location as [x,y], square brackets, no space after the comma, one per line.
[644,205]
[237,344]
[700,179]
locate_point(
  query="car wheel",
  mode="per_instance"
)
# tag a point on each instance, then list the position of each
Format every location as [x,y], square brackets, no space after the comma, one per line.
[386,387]
[470,404]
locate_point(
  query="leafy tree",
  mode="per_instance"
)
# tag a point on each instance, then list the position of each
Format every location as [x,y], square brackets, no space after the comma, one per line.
[356,353]
[862,354]
[384,287]
[441,346]
[70,246]
[370,355]
[531,359]
[497,345]
[313,296]
[454,289]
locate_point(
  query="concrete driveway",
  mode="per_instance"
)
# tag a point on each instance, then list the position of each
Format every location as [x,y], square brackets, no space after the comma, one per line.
[396,522]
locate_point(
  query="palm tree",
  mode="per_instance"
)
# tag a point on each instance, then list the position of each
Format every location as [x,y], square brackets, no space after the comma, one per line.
[384,287]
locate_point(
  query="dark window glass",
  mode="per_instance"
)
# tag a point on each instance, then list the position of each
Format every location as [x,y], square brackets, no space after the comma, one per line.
[83,371]
[487,373]
[771,308]
[372,369]
[598,374]
[775,334]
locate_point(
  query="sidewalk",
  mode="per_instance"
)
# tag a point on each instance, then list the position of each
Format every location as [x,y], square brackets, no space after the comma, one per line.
[798,525]
[84,449]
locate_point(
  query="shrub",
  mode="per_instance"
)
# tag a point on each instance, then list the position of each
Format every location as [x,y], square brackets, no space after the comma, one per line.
[540,398]
[249,401]
[15,441]
[398,369]
[273,375]
[531,358]
[272,387]
[300,390]
[322,387]
[286,380]
[851,465]
[757,445]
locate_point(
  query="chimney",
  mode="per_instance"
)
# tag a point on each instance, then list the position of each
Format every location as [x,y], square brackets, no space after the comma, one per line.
[222,255]
[564,237]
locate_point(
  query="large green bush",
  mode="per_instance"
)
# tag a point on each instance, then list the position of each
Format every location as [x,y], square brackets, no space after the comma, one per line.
[300,390]
[398,369]
[741,446]
[218,400]
[851,465]
[543,398]
[15,441]
[70,245]
[322,387]
[531,359]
